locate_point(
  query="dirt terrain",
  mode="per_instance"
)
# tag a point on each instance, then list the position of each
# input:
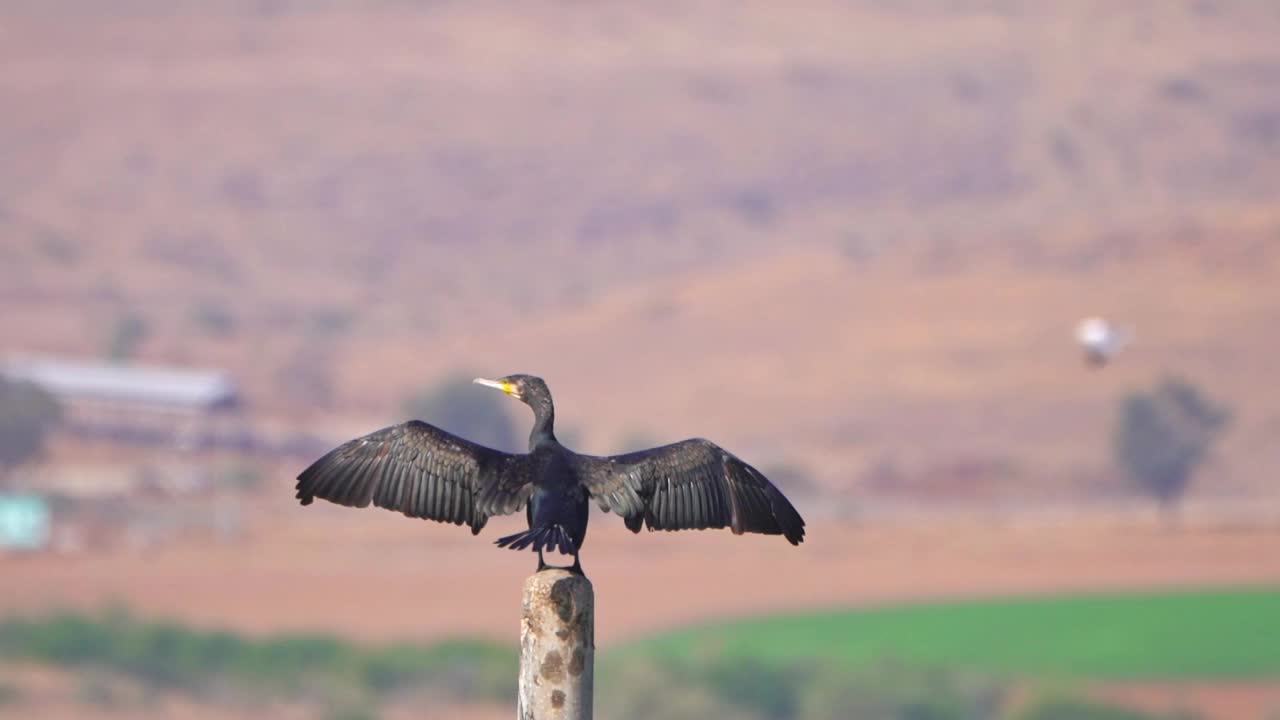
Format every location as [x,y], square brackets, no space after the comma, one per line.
[374,575]
[1258,700]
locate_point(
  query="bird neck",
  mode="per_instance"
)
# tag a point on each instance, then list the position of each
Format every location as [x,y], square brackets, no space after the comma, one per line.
[544,421]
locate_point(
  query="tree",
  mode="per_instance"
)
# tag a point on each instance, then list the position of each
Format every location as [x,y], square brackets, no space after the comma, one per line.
[792,478]
[456,405]
[128,333]
[306,378]
[1163,436]
[27,415]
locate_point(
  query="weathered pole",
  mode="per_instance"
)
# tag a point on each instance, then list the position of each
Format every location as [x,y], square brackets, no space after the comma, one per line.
[557,647]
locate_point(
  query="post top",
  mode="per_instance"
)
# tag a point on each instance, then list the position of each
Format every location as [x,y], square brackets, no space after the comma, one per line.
[560,601]
[551,577]
[566,593]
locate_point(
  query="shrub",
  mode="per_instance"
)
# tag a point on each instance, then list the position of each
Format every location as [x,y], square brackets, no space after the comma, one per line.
[27,415]
[214,319]
[127,334]
[169,655]
[1163,435]
[1066,708]
[456,405]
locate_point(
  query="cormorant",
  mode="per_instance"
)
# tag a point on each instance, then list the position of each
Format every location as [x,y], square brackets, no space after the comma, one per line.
[425,472]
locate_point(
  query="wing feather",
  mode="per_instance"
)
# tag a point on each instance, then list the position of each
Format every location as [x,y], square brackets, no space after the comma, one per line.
[423,472]
[693,484]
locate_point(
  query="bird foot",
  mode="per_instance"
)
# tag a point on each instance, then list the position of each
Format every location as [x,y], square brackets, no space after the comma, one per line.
[575,568]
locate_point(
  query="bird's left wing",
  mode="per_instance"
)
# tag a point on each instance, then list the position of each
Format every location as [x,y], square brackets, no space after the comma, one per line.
[423,472]
[692,484]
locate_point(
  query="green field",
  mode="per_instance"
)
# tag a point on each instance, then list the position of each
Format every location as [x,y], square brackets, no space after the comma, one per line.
[1167,635]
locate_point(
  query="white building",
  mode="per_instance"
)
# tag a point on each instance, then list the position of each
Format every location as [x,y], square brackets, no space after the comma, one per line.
[131,403]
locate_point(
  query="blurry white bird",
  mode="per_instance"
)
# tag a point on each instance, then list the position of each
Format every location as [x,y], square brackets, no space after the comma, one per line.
[1101,340]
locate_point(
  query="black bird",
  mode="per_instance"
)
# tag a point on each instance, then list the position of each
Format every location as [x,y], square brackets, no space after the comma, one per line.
[425,472]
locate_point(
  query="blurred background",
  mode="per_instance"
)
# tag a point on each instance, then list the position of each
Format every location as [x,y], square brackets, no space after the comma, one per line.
[849,241]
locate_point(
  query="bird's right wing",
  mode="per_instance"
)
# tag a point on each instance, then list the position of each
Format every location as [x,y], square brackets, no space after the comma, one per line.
[423,472]
[692,484]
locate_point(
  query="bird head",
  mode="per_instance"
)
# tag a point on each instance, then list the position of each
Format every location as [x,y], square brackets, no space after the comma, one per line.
[526,388]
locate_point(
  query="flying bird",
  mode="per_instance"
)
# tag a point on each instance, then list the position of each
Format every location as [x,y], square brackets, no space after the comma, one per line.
[425,472]
[1100,340]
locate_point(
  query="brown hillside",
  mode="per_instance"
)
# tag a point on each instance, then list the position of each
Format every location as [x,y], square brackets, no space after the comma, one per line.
[853,230]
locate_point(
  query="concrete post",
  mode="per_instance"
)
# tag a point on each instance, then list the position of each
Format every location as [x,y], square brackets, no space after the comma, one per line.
[557,647]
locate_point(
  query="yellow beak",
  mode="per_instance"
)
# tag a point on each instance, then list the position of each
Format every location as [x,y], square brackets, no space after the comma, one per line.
[505,387]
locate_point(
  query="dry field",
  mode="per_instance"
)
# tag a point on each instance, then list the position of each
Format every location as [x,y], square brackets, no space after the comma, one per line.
[374,575]
[1226,700]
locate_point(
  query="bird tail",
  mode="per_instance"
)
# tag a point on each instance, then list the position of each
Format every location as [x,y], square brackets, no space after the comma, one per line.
[541,538]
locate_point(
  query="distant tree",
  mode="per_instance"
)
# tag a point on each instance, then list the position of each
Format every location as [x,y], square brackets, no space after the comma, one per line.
[214,319]
[328,321]
[306,378]
[243,476]
[127,334]
[792,478]
[27,415]
[475,413]
[569,435]
[351,711]
[1069,708]
[1163,435]
[9,694]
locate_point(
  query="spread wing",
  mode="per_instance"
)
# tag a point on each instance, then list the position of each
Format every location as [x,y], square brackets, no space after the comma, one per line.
[693,484]
[423,472]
